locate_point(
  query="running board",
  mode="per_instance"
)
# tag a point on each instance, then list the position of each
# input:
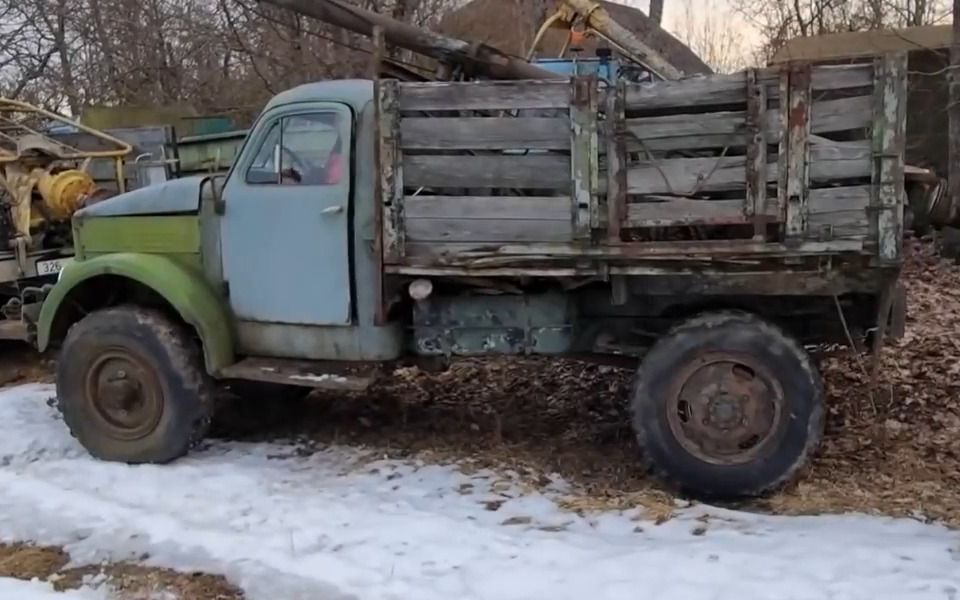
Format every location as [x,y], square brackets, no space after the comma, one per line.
[313,374]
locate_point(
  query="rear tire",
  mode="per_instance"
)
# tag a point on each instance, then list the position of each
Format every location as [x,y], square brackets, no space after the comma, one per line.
[132,387]
[727,406]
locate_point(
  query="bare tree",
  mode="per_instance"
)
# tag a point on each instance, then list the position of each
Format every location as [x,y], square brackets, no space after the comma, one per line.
[706,29]
[779,20]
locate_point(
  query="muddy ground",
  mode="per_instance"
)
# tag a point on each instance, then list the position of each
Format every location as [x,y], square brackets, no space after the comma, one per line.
[895,451]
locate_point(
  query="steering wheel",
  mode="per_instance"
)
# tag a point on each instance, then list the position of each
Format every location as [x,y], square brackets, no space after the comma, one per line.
[297,167]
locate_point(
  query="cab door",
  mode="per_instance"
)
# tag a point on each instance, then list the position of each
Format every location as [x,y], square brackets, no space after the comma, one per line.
[284,231]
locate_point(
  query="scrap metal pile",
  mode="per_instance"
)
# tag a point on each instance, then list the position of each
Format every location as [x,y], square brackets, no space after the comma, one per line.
[43,180]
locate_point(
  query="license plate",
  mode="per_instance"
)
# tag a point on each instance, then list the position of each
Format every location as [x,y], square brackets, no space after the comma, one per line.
[51,267]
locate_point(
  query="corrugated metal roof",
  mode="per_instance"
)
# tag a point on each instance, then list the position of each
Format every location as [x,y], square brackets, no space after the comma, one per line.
[864,44]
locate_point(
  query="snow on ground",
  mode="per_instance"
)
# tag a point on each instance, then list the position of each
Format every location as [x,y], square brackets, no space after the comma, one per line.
[15,589]
[339,525]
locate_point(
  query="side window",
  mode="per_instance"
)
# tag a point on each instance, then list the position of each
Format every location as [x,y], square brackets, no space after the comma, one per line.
[308,147]
[263,169]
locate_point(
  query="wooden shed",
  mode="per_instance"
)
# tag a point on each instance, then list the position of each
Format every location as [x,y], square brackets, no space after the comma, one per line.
[928,49]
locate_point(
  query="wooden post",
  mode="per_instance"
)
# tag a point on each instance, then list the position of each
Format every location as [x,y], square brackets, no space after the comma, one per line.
[391,170]
[379,51]
[583,153]
[616,161]
[756,201]
[380,312]
[794,156]
[889,133]
[953,112]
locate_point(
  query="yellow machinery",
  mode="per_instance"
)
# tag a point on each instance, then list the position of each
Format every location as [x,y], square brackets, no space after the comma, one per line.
[45,176]
[44,179]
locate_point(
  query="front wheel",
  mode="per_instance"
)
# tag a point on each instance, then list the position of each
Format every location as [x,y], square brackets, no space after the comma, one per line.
[727,405]
[131,386]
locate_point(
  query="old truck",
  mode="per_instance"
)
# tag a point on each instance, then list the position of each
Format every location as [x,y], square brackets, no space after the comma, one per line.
[709,230]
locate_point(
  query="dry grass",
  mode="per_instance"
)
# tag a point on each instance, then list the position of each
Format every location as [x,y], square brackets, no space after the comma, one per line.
[897,453]
[128,581]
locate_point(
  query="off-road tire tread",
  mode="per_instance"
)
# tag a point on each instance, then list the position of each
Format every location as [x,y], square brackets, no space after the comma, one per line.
[187,358]
[693,327]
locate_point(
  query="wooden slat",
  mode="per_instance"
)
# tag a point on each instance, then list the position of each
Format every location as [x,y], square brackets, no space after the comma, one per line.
[484,133]
[837,199]
[583,148]
[841,114]
[487,230]
[839,213]
[391,171]
[686,212]
[687,176]
[499,254]
[486,95]
[889,116]
[541,171]
[731,89]
[546,208]
[726,128]
[839,225]
[794,159]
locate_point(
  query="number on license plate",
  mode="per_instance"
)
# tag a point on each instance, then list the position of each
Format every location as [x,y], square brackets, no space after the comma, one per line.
[51,267]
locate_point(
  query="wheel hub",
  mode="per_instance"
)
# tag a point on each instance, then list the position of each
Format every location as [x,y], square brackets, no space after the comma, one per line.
[724,408]
[124,393]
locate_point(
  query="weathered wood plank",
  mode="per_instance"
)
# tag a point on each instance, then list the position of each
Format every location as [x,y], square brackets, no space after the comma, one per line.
[688,176]
[484,133]
[756,160]
[686,212]
[795,149]
[837,199]
[839,213]
[391,171]
[484,95]
[889,116]
[847,201]
[499,254]
[727,128]
[839,225]
[584,149]
[540,171]
[487,230]
[731,89]
[546,208]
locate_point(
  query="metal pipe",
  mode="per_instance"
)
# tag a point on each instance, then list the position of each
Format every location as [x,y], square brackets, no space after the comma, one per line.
[484,59]
[637,50]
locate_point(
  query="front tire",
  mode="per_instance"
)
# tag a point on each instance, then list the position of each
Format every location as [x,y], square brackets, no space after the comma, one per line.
[131,386]
[727,406]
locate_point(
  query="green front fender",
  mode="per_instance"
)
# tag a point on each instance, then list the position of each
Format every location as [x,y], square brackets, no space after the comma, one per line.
[186,291]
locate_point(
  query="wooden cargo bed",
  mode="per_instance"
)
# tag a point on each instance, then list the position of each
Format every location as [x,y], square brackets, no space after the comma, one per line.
[768,165]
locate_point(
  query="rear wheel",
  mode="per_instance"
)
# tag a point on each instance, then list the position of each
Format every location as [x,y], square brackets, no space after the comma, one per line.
[131,386]
[727,405]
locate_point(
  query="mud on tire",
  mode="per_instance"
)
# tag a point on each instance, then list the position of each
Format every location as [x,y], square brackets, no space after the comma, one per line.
[131,386]
[726,406]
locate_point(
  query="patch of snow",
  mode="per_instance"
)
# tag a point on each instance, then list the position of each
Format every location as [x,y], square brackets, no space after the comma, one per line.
[18,589]
[319,378]
[341,524]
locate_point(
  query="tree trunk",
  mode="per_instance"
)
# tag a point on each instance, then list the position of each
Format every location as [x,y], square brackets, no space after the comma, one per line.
[656,11]
[953,110]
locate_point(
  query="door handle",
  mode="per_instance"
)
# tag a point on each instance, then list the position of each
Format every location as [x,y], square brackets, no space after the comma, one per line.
[332,210]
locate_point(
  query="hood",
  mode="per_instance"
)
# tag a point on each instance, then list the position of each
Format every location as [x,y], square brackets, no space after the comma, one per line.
[169,197]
